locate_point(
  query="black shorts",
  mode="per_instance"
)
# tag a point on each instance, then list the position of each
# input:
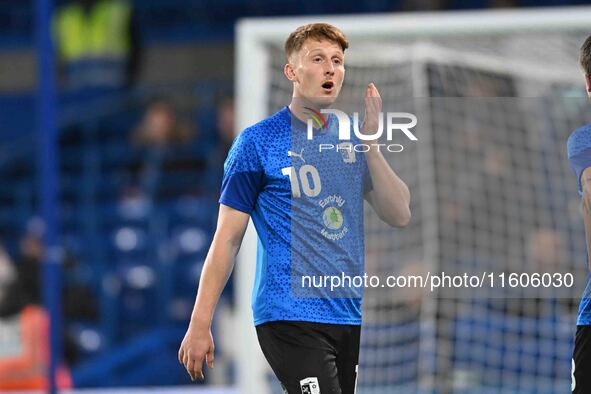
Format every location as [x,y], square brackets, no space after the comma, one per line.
[312,358]
[581,363]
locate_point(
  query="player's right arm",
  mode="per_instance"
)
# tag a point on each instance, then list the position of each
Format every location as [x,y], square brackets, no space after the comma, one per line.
[198,342]
[242,182]
[586,202]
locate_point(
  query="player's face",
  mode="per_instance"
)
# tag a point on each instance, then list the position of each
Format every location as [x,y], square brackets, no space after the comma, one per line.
[317,71]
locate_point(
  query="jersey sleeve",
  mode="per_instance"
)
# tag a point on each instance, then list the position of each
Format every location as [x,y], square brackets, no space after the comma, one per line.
[243,175]
[579,152]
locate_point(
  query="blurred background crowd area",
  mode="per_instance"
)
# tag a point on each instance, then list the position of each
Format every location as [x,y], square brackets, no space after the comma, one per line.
[146,116]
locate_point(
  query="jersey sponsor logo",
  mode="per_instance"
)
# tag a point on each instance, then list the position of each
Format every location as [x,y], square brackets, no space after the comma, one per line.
[310,386]
[332,217]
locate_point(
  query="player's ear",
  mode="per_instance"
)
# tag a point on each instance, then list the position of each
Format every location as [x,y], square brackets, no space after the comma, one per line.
[588,83]
[289,72]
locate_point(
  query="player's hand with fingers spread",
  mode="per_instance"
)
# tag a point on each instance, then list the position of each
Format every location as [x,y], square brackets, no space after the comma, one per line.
[373,107]
[197,346]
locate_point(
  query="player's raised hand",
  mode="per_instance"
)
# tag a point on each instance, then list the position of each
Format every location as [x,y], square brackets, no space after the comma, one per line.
[197,345]
[373,107]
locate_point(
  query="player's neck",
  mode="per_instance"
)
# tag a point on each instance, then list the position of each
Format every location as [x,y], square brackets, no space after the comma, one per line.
[298,111]
[300,108]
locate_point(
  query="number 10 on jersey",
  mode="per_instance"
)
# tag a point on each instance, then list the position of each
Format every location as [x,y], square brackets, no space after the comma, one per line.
[302,177]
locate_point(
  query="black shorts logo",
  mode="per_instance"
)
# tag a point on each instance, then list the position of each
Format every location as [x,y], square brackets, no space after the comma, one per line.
[310,386]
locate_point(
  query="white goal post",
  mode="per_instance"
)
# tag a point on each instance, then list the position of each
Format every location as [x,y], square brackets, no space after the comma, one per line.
[418,34]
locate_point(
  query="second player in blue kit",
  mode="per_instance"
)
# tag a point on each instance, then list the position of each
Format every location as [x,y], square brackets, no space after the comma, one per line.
[579,158]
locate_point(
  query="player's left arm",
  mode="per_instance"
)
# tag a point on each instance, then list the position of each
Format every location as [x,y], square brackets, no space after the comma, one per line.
[390,197]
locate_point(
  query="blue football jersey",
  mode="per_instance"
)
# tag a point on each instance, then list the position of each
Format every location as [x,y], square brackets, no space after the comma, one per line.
[307,207]
[579,158]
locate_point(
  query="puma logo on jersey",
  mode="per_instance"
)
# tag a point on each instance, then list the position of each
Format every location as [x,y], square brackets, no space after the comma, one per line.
[294,154]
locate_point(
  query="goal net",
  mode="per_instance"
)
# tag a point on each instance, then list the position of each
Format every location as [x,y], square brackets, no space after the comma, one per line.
[496,94]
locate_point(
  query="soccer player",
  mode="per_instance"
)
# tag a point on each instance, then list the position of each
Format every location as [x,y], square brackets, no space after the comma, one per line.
[579,157]
[307,207]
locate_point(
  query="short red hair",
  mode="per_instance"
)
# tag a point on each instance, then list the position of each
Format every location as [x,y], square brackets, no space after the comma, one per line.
[315,31]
